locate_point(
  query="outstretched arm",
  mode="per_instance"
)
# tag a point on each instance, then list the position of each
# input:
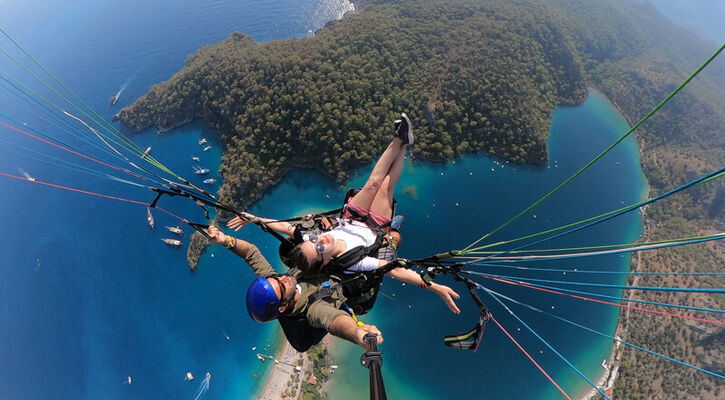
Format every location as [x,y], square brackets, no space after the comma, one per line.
[237,246]
[282,227]
[244,249]
[447,294]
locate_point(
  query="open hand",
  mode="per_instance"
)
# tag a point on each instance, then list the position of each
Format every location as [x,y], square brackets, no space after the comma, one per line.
[447,295]
[238,223]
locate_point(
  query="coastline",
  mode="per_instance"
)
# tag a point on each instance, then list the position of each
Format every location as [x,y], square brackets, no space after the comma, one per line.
[291,369]
[612,363]
[283,373]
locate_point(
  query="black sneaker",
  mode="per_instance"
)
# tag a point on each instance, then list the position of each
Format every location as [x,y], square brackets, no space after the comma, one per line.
[403,129]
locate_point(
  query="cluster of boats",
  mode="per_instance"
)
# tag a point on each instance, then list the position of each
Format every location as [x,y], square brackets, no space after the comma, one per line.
[200,170]
[202,142]
[174,229]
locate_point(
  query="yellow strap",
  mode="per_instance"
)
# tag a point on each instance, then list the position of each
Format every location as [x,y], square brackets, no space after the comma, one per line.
[354,317]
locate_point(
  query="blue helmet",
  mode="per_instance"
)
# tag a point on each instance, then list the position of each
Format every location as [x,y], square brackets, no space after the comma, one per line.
[262,301]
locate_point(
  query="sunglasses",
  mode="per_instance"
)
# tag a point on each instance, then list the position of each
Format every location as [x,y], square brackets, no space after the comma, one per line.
[318,246]
[282,290]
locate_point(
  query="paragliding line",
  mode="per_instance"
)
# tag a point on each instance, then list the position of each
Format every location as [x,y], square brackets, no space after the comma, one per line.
[531,358]
[609,337]
[547,344]
[606,302]
[590,163]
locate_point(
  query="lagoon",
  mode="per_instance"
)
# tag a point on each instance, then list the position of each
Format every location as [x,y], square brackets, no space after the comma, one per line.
[447,206]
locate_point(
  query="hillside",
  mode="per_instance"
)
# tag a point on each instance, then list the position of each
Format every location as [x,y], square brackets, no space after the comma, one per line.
[474,77]
[483,76]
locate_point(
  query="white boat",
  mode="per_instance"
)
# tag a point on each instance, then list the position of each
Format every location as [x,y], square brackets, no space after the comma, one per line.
[202,141]
[201,171]
[209,181]
[27,175]
[176,229]
[150,218]
[172,242]
[195,158]
[146,152]
[207,148]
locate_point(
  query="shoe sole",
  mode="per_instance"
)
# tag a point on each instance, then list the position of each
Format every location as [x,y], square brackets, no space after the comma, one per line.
[409,134]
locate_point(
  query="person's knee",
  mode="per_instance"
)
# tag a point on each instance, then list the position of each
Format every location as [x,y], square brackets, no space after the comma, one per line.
[386,182]
[384,187]
[374,183]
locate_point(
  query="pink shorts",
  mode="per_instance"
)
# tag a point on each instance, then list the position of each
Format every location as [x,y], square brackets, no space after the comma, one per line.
[377,218]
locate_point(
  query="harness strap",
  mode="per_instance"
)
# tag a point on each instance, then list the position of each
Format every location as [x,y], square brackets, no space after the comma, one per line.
[327,290]
[352,256]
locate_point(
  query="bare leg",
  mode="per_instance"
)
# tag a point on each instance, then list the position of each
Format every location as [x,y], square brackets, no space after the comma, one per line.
[383,200]
[364,198]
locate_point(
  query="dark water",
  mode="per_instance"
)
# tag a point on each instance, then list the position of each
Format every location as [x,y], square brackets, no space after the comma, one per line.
[90,295]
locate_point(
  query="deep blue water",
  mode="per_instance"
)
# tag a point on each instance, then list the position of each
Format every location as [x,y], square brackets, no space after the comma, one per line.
[90,295]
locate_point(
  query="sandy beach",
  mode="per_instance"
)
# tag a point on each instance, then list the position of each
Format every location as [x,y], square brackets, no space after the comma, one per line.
[606,382]
[281,380]
[285,379]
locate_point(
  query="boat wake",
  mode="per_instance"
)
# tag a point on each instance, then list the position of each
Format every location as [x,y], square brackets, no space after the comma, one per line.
[204,387]
[115,97]
[26,175]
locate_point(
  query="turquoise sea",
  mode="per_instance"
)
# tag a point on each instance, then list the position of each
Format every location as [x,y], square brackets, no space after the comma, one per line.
[89,295]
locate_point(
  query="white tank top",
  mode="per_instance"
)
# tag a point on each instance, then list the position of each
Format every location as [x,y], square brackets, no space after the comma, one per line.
[354,234]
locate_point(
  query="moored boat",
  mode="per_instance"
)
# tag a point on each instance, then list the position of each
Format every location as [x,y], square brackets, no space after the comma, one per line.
[150,218]
[172,242]
[209,181]
[195,158]
[207,148]
[202,141]
[201,171]
[146,152]
[176,229]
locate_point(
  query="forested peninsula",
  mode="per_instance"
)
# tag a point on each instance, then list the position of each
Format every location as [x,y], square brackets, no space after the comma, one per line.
[478,76]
